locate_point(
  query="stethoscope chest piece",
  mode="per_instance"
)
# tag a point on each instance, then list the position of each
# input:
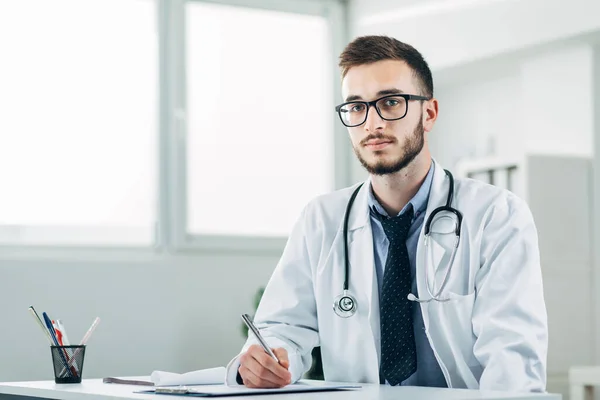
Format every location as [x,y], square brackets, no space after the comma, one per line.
[344,305]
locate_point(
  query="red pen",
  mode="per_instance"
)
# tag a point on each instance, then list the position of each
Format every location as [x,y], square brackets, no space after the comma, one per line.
[59,334]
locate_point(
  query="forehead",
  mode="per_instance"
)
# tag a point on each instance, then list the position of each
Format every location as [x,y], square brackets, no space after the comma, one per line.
[368,79]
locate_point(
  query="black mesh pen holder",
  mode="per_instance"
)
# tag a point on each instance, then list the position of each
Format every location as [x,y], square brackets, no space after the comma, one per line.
[68,363]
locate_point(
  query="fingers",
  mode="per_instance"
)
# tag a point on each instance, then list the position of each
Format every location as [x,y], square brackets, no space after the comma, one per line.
[282,356]
[252,380]
[271,372]
[264,366]
[264,359]
[259,369]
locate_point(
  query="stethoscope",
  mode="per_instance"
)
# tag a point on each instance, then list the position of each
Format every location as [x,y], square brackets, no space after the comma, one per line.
[344,305]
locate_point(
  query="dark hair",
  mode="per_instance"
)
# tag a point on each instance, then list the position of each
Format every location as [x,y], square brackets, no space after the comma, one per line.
[369,49]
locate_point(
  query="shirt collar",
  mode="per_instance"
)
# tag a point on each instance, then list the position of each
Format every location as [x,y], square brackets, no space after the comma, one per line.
[418,202]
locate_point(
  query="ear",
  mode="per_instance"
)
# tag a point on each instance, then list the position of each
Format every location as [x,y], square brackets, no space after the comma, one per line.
[430,114]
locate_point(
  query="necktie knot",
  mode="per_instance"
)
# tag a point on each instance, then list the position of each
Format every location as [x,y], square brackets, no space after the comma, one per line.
[396,228]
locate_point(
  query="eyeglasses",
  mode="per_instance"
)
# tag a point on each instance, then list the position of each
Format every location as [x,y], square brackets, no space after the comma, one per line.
[390,108]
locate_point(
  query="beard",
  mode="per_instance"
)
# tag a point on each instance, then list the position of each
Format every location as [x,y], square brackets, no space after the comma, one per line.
[412,147]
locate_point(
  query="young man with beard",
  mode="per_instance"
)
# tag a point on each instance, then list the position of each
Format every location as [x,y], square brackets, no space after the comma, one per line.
[409,278]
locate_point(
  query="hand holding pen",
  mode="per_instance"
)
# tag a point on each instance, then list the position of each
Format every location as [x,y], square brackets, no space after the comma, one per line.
[261,366]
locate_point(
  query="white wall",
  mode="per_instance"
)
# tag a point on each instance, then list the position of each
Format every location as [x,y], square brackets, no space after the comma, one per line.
[558,101]
[457,32]
[477,119]
[170,313]
[560,197]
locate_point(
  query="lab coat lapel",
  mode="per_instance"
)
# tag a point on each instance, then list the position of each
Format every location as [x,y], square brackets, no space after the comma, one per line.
[363,279]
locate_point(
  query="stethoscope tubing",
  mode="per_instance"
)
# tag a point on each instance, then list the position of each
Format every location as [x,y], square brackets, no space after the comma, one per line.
[427,233]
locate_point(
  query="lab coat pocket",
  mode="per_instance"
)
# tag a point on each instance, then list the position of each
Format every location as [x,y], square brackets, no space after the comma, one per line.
[457,313]
[452,332]
[461,317]
[461,303]
[453,317]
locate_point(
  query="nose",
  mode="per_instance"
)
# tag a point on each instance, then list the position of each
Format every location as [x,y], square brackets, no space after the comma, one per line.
[374,122]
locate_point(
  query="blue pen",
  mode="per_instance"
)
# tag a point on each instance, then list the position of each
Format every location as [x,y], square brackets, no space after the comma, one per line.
[48,322]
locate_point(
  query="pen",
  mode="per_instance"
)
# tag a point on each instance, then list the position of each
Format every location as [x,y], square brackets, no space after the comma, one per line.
[61,326]
[39,321]
[52,334]
[46,332]
[256,333]
[87,335]
[50,328]
[61,336]
[84,340]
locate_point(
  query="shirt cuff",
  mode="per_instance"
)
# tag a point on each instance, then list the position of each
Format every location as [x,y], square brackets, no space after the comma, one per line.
[232,374]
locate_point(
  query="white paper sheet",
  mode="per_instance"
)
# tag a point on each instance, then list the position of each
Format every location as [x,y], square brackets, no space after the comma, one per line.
[211,376]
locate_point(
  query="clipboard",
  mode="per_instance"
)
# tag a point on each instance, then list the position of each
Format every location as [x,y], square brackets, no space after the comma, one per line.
[227,391]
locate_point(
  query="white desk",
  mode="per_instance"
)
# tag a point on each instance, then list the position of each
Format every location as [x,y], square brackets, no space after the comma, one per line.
[94,389]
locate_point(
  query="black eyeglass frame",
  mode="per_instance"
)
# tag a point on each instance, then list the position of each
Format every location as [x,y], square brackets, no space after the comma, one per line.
[368,104]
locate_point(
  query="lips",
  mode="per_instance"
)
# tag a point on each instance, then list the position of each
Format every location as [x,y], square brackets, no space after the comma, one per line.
[377,144]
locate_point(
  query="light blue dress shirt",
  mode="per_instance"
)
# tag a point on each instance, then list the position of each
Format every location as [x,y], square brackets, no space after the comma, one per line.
[428,371]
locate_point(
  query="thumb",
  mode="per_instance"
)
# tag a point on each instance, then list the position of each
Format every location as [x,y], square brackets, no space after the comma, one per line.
[282,356]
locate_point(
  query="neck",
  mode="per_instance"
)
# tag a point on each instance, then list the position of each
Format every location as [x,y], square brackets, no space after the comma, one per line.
[394,191]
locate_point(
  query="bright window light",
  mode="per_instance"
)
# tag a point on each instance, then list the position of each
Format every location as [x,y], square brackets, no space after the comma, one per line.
[260,118]
[78,125]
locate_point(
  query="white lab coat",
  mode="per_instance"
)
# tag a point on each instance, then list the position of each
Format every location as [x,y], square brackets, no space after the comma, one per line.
[491,335]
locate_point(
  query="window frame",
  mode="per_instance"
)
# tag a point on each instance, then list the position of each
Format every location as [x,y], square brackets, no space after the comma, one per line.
[173,232]
[170,231]
[39,241]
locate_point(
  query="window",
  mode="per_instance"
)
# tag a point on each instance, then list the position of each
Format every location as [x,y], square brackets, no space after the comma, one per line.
[170,124]
[78,133]
[260,120]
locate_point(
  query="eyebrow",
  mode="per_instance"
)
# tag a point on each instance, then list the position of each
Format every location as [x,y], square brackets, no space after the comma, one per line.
[381,93]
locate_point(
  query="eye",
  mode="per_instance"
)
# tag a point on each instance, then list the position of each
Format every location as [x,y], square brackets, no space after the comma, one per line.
[391,102]
[357,107]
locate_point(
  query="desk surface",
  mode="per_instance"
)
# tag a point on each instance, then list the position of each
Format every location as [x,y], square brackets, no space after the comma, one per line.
[94,389]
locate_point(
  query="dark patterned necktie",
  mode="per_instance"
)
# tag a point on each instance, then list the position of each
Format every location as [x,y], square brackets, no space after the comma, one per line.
[398,350]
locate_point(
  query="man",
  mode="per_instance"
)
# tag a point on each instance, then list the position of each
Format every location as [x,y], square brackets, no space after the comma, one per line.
[424,306]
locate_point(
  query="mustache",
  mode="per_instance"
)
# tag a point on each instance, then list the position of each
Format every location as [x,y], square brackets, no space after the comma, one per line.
[377,137]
